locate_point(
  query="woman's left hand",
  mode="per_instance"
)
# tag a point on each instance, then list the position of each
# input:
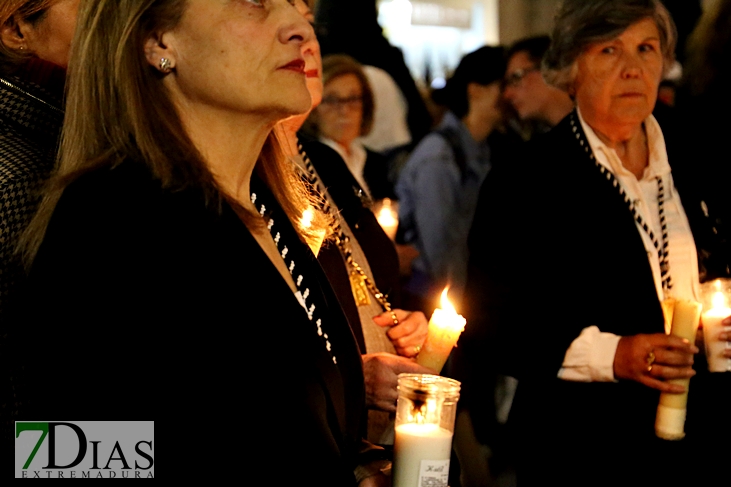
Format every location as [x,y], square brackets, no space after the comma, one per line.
[725,336]
[409,334]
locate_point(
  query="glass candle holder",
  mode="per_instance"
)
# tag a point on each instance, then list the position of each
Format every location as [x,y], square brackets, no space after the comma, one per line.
[425,415]
[716,298]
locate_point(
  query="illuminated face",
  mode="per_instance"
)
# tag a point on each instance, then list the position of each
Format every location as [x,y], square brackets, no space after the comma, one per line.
[340,115]
[241,56]
[617,80]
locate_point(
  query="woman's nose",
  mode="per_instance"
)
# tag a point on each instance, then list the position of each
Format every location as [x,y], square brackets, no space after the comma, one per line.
[296,28]
[632,67]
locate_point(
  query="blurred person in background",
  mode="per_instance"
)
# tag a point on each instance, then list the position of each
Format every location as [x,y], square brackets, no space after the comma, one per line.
[352,28]
[438,187]
[344,115]
[35,38]
[525,89]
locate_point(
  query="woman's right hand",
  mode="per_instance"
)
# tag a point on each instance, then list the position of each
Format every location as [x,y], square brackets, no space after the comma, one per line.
[673,359]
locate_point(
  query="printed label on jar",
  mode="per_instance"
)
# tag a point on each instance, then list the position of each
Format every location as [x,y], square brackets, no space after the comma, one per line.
[434,473]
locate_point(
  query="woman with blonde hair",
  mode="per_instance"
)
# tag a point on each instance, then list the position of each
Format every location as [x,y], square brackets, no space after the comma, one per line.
[170,245]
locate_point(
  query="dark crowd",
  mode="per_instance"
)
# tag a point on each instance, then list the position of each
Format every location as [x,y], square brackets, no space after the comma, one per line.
[191,230]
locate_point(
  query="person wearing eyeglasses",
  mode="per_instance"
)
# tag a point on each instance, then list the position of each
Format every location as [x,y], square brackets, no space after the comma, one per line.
[525,89]
[345,114]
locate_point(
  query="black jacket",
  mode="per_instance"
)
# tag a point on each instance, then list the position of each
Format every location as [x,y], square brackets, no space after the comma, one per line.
[553,250]
[148,304]
[30,124]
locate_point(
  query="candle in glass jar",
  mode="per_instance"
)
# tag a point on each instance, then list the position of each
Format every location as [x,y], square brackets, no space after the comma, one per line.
[416,443]
[445,327]
[712,327]
[387,217]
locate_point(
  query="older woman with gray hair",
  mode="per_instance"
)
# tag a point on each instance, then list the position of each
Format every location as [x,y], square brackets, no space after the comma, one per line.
[572,279]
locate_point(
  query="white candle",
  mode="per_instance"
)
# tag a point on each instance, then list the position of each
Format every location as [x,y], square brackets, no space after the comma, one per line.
[671,411]
[421,454]
[445,327]
[712,327]
[387,217]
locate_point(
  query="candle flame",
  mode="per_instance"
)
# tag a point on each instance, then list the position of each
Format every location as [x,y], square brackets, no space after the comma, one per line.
[718,300]
[717,284]
[307,216]
[445,304]
[386,215]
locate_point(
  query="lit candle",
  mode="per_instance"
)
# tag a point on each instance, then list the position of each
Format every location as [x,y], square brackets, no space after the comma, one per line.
[712,327]
[387,217]
[445,326]
[425,414]
[417,442]
[307,216]
[670,420]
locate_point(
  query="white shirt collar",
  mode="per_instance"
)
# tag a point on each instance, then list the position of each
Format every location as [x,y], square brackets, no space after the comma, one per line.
[606,156]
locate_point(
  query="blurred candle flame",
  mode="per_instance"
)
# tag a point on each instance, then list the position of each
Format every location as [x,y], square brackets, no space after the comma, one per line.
[718,300]
[307,216]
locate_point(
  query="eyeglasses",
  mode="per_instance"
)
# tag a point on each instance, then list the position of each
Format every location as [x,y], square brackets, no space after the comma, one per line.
[514,78]
[335,103]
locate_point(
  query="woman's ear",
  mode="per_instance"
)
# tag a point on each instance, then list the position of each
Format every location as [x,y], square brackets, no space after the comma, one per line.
[159,54]
[11,35]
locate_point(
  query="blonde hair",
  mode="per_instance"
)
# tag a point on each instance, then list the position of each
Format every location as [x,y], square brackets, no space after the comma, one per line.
[117,109]
[30,10]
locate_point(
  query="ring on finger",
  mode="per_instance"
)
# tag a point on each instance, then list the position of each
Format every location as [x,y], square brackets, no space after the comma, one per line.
[395,320]
[650,360]
[417,349]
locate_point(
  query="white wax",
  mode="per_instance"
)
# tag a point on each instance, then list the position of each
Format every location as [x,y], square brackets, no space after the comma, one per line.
[712,327]
[414,443]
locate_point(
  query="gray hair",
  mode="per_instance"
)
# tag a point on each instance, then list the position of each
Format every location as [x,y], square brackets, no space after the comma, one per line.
[581,23]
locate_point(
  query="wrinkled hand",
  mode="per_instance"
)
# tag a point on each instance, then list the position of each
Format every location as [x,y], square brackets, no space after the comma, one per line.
[381,372]
[673,360]
[725,336]
[409,335]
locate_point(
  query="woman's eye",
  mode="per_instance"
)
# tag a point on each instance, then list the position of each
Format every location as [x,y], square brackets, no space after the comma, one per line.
[258,3]
[646,48]
[609,50]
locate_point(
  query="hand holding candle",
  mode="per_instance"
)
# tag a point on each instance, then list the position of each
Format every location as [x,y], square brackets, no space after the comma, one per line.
[670,420]
[445,326]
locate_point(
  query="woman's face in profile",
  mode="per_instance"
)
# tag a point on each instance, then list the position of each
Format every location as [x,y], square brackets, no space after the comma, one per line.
[340,115]
[313,60]
[618,80]
[49,34]
[241,56]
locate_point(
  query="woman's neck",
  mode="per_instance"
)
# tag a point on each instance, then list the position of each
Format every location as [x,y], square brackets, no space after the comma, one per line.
[631,147]
[230,145]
